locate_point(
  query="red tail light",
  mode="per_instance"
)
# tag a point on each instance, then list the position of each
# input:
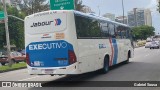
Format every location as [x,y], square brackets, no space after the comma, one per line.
[72,57]
[27,59]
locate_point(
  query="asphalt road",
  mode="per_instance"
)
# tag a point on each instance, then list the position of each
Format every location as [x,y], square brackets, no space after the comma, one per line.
[145,66]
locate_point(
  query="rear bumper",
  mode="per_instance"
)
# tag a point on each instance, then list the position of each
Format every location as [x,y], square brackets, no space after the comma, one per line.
[72,69]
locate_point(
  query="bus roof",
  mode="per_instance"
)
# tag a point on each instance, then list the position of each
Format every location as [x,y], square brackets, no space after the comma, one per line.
[91,15]
[99,18]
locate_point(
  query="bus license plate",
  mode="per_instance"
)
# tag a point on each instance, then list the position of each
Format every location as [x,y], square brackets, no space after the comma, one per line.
[48,71]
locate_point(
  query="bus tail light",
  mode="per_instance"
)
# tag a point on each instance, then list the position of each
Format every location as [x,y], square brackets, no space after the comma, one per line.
[72,57]
[27,59]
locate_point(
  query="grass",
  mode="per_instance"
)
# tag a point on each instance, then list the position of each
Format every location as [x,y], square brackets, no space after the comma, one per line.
[14,66]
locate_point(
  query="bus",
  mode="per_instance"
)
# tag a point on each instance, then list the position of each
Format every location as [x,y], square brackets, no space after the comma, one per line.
[59,42]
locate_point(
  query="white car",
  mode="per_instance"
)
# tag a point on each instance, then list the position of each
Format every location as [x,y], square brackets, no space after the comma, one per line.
[154,44]
[149,39]
[148,44]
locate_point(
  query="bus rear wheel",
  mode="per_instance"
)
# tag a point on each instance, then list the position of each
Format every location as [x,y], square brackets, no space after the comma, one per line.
[128,56]
[105,68]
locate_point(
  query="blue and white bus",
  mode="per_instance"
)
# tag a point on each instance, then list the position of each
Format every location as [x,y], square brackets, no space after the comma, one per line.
[71,42]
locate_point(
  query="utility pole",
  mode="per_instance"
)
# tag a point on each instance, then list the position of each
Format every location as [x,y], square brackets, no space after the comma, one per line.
[7,32]
[123,10]
[99,12]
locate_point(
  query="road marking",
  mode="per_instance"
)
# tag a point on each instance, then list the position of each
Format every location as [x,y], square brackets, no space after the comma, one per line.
[29,78]
[146,55]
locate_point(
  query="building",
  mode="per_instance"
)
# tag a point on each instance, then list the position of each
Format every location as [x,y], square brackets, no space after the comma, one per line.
[110,16]
[148,16]
[139,17]
[131,18]
[120,19]
[86,9]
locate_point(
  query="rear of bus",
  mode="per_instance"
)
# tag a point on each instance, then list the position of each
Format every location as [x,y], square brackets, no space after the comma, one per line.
[50,40]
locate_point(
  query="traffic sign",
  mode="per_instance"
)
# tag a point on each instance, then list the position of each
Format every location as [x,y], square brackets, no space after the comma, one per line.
[1,15]
[61,4]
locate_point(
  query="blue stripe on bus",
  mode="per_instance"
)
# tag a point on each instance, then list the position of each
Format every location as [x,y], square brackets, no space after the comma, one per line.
[114,43]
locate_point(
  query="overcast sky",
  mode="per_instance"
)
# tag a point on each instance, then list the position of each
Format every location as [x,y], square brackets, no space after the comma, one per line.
[115,7]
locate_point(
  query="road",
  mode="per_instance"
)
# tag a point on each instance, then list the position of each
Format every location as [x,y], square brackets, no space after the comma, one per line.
[145,66]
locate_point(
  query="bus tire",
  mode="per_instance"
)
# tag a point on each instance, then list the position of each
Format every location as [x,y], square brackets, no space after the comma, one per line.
[128,56]
[105,68]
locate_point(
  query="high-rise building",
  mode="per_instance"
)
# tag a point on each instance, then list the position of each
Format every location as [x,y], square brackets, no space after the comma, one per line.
[148,16]
[131,18]
[139,17]
[110,16]
[120,19]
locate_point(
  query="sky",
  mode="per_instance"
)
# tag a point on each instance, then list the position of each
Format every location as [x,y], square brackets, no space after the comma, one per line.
[115,7]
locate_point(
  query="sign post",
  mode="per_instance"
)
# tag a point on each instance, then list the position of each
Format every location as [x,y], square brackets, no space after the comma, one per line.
[62,4]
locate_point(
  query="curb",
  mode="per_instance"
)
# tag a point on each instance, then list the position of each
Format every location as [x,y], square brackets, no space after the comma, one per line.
[12,69]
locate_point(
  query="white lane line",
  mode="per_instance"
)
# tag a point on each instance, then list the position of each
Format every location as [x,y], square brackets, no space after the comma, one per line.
[146,55]
[29,78]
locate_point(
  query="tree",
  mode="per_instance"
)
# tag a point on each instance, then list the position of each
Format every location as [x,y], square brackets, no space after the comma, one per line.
[78,5]
[34,6]
[142,32]
[16,29]
[2,32]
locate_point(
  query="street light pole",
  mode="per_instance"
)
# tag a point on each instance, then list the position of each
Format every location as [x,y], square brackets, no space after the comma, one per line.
[123,10]
[99,10]
[16,18]
[7,32]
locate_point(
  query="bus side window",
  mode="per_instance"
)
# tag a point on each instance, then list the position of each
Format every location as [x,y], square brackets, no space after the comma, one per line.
[127,33]
[111,30]
[124,32]
[117,32]
[104,30]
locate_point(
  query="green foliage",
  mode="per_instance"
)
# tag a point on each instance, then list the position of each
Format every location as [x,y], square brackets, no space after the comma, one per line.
[14,67]
[16,29]
[142,32]
[78,5]
[2,32]
[2,35]
[34,6]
